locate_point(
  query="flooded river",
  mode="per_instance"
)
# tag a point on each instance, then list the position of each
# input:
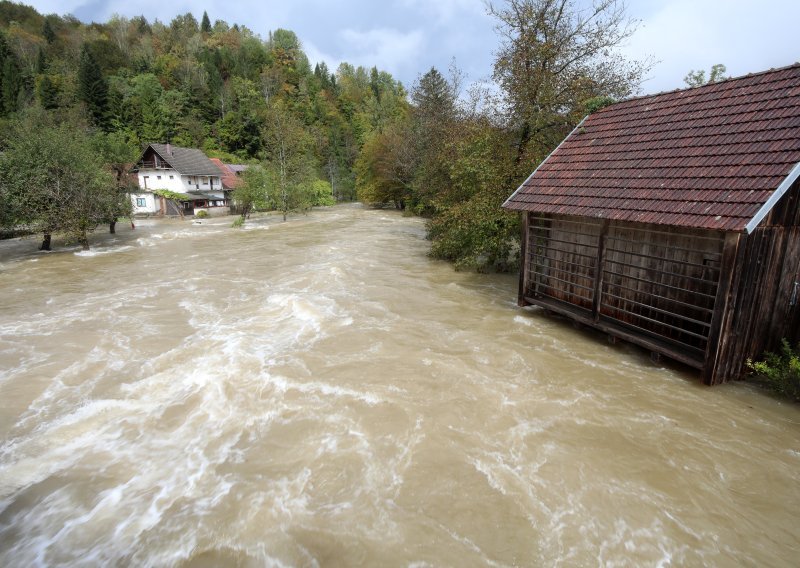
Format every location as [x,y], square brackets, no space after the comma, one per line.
[320,393]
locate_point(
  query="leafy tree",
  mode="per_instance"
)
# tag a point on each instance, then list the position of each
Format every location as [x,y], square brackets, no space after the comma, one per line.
[385,167]
[92,88]
[698,78]
[288,160]
[322,193]
[117,154]
[553,55]
[53,179]
[253,194]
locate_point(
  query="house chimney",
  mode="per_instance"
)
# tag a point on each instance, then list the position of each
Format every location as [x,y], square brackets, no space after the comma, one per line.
[169,149]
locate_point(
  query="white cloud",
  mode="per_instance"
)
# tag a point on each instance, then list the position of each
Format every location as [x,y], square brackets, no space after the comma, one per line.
[690,34]
[390,49]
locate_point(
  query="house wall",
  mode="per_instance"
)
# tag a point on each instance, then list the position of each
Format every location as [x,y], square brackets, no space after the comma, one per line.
[151,205]
[153,179]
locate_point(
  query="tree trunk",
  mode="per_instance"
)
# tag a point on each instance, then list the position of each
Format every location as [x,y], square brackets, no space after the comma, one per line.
[84,240]
[112,227]
[45,242]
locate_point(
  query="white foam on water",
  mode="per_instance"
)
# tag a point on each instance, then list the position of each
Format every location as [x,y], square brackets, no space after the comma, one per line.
[103,251]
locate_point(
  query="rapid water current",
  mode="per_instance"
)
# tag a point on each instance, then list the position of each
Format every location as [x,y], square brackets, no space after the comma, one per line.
[320,393]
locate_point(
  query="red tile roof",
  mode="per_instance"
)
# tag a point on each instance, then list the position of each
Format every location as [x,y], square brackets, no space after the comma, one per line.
[229,179]
[708,157]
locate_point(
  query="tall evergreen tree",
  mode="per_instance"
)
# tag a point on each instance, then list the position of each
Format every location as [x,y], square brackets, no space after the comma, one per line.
[48,93]
[47,31]
[205,24]
[10,85]
[41,61]
[92,88]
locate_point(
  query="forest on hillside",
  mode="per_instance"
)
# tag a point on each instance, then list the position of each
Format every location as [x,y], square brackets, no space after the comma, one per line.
[450,154]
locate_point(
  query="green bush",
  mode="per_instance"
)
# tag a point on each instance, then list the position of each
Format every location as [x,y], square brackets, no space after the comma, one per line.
[238,223]
[780,371]
[202,214]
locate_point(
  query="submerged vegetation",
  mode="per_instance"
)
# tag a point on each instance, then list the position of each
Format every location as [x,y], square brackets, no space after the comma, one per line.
[780,372]
[319,135]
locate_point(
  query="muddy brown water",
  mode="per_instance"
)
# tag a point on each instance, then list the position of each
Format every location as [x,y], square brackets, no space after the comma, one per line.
[320,393]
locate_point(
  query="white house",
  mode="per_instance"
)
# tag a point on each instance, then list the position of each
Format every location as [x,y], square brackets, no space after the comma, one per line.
[184,171]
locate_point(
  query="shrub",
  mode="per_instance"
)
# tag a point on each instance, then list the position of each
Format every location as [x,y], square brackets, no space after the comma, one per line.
[780,371]
[238,223]
[202,214]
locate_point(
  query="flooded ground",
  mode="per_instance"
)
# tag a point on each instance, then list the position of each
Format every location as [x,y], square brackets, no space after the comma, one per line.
[320,393]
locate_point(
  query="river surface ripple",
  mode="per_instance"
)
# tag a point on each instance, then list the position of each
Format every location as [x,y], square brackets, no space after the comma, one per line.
[320,393]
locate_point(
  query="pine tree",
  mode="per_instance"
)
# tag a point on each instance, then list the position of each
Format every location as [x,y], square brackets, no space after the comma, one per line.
[41,61]
[92,88]
[47,31]
[205,25]
[48,93]
[10,85]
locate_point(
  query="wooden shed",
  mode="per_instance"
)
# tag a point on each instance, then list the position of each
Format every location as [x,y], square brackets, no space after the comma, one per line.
[672,221]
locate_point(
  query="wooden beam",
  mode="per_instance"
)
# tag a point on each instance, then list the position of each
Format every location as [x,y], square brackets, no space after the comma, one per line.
[599,269]
[523,260]
[728,268]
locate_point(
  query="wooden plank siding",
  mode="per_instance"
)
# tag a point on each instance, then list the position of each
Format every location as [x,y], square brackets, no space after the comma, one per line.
[763,306]
[708,298]
[659,281]
[637,280]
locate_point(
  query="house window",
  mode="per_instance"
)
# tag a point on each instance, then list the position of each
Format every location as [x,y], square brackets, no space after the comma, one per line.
[158,177]
[205,181]
[145,178]
[171,177]
[141,202]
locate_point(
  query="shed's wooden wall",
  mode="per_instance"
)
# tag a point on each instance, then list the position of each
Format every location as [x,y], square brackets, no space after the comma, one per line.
[762,303]
[656,282]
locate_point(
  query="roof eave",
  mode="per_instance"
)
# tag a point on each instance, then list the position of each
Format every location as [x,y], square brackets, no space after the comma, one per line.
[773,199]
[522,186]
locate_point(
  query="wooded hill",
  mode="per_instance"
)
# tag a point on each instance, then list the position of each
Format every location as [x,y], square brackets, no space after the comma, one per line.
[434,151]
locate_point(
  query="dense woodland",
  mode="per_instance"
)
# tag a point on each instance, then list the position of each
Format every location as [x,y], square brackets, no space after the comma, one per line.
[450,154]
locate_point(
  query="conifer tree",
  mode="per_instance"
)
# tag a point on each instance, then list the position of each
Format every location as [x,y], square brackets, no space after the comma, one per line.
[205,25]
[92,88]
[47,31]
[48,93]
[41,61]
[10,84]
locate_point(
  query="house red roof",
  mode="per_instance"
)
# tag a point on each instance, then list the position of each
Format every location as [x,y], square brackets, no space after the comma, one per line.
[229,178]
[708,157]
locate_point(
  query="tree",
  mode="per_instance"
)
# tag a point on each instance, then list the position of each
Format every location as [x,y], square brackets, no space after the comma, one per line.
[253,194]
[117,154]
[53,179]
[289,161]
[205,24]
[92,88]
[555,54]
[48,93]
[386,166]
[11,82]
[47,31]
[433,119]
[698,78]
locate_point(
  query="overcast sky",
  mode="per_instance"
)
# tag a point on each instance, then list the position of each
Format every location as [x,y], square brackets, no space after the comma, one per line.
[407,37]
